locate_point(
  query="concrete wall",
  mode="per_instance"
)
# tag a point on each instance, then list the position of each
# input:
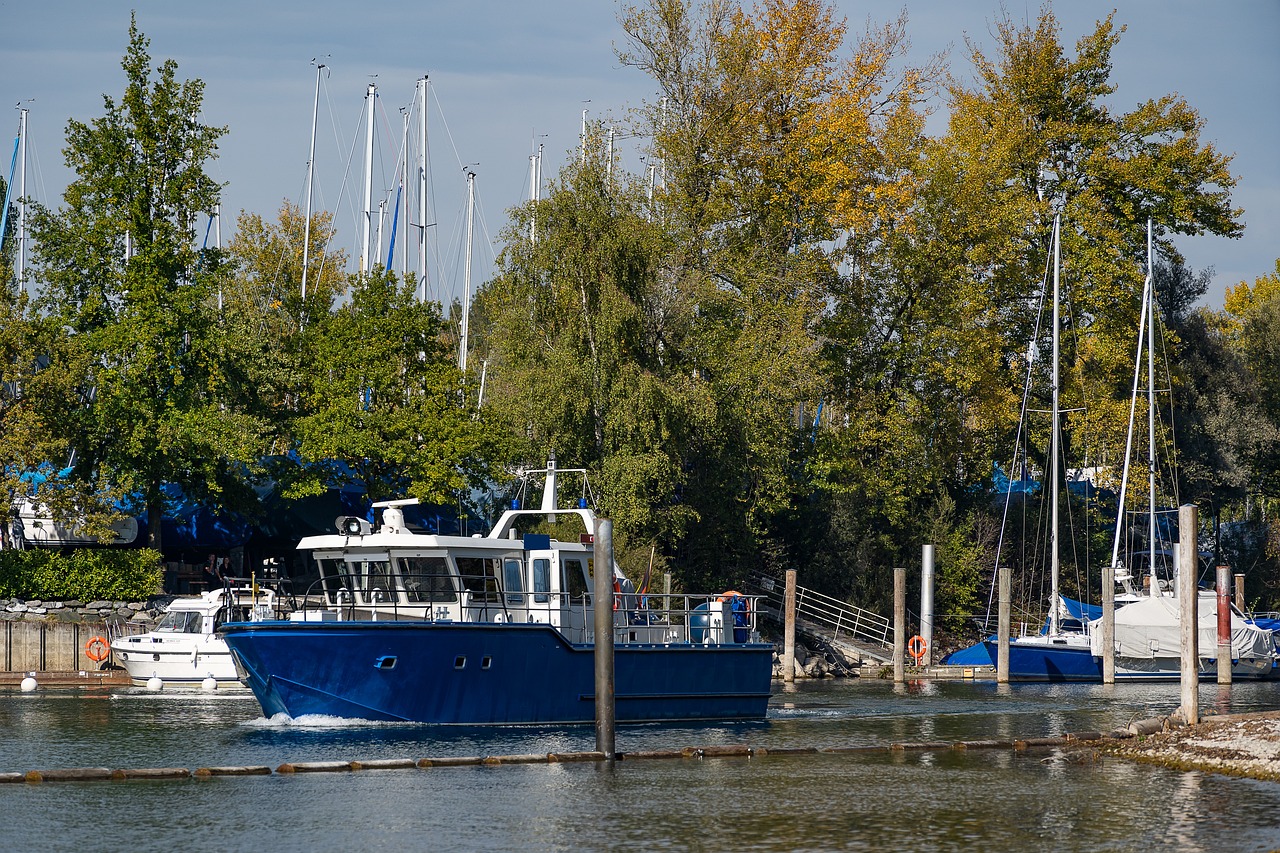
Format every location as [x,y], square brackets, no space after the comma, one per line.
[27,646]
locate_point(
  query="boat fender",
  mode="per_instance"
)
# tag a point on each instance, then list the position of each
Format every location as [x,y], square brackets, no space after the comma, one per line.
[96,649]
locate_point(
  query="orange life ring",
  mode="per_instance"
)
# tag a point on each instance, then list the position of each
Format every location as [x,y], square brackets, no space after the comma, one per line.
[917,648]
[97,649]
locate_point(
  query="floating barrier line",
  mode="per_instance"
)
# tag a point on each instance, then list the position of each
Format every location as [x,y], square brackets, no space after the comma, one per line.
[102,774]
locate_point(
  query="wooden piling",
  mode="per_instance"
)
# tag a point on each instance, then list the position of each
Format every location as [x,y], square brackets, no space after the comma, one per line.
[1224,624]
[606,719]
[1240,593]
[789,629]
[1188,612]
[1003,624]
[1108,639]
[899,625]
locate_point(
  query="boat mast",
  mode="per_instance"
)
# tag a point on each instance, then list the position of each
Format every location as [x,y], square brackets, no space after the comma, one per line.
[466,279]
[422,189]
[1054,439]
[1151,418]
[365,264]
[311,176]
[22,197]
[403,207]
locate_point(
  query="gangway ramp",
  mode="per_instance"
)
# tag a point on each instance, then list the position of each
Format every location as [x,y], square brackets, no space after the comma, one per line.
[863,633]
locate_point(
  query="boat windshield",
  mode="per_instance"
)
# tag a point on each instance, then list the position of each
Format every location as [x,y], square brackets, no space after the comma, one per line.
[181,622]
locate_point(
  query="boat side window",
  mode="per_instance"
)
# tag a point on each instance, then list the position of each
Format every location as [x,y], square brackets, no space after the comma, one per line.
[480,577]
[180,622]
[333,575]
[574,578]
[512,579]
[541,580]
[376,577]
[427,579]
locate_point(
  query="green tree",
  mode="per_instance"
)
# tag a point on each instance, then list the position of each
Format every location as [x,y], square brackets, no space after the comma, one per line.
[123,275]
[382,397]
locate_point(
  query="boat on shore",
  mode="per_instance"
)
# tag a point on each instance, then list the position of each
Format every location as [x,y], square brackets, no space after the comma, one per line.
[184,649]
[495,630]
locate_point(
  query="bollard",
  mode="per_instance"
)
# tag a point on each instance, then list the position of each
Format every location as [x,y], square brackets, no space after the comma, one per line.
[899,625]
[1108,639]
[789,629]
[1005,617]
[926,602]
[1224,625]
[1188,612]
[603,598]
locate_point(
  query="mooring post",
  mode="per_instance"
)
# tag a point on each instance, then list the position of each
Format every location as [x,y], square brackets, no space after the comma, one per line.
[789,629]
[1240,593]
[1224,625]
[899,625]
[1003,623]
[926,602]
[602,557]
[1188,558]
[1108,639]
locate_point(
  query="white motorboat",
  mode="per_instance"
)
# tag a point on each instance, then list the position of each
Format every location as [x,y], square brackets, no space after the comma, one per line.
[184,649]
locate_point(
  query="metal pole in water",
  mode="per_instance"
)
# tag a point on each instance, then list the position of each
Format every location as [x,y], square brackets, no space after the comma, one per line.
[1188,615]
[602,601]
[789,629]
[1108,639]
[899,625]
[926,602]
[1005,617]
[1224,624]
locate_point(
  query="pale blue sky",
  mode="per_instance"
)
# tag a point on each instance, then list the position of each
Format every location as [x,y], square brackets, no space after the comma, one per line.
[503,70]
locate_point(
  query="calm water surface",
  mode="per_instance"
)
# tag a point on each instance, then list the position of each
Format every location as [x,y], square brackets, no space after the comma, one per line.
[937,801]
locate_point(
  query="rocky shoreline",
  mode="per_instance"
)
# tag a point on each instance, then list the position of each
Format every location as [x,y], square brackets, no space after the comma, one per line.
[1234,744]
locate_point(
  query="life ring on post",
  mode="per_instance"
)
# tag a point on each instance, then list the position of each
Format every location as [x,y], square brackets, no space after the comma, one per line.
[97,649]
[917,648]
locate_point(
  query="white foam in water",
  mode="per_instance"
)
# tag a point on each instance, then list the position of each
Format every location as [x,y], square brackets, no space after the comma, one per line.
[314,721]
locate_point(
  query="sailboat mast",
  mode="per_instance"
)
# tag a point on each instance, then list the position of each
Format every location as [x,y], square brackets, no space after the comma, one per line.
[311,176]
[365,264]
[1151,416]
[421,188]
[466,279]
[22,198]
[1055,435]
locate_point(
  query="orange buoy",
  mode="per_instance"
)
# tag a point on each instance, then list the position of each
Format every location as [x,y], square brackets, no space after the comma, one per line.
[917,648]
[97,649]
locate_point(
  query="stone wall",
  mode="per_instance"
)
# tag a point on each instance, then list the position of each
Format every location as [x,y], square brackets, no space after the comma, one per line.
[51,636]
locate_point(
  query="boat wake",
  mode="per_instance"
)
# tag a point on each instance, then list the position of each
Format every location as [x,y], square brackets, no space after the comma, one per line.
[317,721]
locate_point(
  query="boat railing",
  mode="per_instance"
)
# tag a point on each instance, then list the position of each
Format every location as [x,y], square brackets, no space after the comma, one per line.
[653,618]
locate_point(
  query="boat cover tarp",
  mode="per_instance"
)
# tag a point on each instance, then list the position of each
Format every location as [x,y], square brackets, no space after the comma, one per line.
[1150,627]
[975,655]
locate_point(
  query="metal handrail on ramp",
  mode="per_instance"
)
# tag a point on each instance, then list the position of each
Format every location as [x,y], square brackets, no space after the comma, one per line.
[831,613]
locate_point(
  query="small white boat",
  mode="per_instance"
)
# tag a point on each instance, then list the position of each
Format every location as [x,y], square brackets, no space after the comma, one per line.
[184,649]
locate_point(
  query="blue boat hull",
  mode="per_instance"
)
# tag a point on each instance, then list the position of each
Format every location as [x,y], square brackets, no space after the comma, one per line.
[487,674]
[1040,662]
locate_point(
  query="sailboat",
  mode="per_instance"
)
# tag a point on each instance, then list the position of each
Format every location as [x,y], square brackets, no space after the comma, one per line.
[1055,654]
[1148,626]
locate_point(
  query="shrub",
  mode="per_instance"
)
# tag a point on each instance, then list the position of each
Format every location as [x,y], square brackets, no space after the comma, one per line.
[86,574]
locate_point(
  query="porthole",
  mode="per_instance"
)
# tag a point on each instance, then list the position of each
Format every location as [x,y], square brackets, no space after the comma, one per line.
[460,662]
